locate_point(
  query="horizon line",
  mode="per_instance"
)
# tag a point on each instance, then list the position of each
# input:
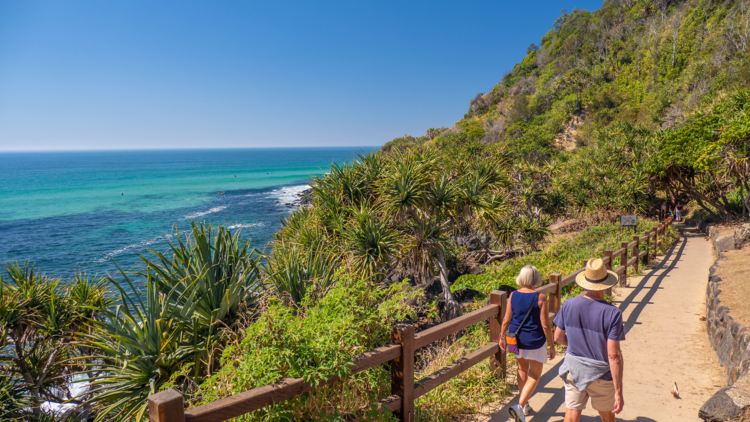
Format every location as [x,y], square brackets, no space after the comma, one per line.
[179,149]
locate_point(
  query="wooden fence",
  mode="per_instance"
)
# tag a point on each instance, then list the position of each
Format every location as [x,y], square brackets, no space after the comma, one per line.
[168,406]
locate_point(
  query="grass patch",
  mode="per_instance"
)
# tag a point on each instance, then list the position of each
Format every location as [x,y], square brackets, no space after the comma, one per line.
[561,254]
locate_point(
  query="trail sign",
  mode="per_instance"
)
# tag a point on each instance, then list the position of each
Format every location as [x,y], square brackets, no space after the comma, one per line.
[627,221]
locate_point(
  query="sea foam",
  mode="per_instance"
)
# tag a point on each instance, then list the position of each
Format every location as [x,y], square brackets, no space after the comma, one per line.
[138,245]
[202,213]
[243,226]
[289,194]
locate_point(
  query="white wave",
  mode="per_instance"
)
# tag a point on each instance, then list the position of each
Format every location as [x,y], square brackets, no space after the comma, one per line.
[243,226]
[139,245]
[201,214]
[289,194]
[76,386]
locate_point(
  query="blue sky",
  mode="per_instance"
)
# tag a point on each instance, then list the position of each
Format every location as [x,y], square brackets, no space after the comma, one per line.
[209,74]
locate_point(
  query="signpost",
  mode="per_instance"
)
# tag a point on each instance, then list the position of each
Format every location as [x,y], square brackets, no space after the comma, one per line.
[628,221]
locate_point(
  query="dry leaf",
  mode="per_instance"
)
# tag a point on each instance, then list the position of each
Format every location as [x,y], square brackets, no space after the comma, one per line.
[675,391]
[702,318]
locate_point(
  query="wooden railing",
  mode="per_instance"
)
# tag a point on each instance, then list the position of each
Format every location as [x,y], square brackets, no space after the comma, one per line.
[168,406]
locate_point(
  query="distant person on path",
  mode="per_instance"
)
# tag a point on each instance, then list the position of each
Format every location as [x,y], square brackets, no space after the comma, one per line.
[663,211]
[592,329]
[527,317]
[677,211]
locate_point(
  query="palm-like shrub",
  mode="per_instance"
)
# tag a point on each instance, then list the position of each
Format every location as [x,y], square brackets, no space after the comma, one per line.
[40,322]
[295,272]
[398,210]
[203,284]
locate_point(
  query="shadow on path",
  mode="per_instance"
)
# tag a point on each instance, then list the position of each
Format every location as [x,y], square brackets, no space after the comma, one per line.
[641,304]
[553,409]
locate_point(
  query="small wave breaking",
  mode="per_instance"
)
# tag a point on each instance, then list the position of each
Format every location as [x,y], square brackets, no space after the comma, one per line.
[202,213]
[289,194]
[243,226]
[135,246]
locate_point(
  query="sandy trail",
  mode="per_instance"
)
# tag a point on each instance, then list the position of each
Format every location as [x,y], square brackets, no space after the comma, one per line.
[665,342]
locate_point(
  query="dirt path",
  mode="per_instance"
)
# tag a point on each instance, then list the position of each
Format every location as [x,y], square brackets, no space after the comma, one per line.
[665,343]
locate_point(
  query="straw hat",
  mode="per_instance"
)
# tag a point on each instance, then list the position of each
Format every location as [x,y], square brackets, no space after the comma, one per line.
[596,277]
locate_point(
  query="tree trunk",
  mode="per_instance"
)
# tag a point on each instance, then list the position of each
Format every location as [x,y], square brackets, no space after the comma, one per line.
[452,309]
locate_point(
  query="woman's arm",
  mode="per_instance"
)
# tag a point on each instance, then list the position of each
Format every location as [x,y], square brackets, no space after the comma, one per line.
[506,323]
[546,326]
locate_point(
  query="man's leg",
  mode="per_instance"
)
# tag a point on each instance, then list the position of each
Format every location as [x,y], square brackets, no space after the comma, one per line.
[532,379]
[602,395]
[572,415]
[575,401]
[523,371]
[606,416]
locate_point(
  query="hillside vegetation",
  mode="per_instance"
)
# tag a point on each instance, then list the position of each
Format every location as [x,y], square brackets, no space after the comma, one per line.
[613,112]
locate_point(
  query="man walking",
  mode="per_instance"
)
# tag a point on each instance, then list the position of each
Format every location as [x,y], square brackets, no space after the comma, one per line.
[592,329]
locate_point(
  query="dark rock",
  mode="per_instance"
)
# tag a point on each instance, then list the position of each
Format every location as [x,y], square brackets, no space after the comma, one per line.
[733,374]
[716,337]
[466,295]
[719,408]
[505,288]
[740,345]
[393,278]
[721,311]
[725,347]
[433,289]
[476,270]
[713,324]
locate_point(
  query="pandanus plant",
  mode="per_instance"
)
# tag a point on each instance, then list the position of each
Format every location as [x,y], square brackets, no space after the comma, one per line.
[39,321]
[203,284]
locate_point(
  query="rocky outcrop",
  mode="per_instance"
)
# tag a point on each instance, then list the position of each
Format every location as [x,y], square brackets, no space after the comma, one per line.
[729,402]
[731,341]
[742,236]
[723,243]
[727,242]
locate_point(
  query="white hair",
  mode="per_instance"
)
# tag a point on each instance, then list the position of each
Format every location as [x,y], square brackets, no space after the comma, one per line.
[529,277]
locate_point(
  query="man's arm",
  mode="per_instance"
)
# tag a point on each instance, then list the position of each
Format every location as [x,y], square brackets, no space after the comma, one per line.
[561,337]
[616,366]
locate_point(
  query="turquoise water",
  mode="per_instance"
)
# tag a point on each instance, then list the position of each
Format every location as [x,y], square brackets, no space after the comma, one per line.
[72,212]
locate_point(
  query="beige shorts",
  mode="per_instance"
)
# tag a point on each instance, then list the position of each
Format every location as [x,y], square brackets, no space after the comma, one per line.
[602,395]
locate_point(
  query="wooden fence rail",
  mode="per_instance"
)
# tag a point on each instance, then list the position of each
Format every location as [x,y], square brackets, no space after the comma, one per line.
[168,406]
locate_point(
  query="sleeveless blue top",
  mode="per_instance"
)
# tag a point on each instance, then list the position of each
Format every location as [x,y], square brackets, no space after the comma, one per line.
[531,336]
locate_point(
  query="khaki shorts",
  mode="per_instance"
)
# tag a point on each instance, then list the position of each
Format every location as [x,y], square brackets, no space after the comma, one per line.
[602,395]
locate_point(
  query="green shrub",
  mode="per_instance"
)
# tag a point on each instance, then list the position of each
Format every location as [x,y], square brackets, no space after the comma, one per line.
[563,254]
[315,341]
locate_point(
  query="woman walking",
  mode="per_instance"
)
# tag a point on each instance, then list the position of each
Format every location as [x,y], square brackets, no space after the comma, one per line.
[527,324]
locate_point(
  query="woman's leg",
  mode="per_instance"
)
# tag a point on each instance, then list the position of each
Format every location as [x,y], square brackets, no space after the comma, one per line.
[532,379]
[523,369]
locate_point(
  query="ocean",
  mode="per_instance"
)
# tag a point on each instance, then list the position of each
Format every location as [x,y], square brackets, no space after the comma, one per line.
[89,212]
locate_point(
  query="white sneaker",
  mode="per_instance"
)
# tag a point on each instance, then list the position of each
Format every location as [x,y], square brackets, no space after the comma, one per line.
[517,414]
[527,410]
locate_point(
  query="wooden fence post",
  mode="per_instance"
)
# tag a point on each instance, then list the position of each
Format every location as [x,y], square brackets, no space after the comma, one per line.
[636,251]
[658,233]
[166,406]
[557,279]
[624,262]
[402,370]
[499,362]
[647,234]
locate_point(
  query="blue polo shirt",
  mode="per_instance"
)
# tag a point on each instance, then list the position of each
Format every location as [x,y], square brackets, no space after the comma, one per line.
[588,325]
